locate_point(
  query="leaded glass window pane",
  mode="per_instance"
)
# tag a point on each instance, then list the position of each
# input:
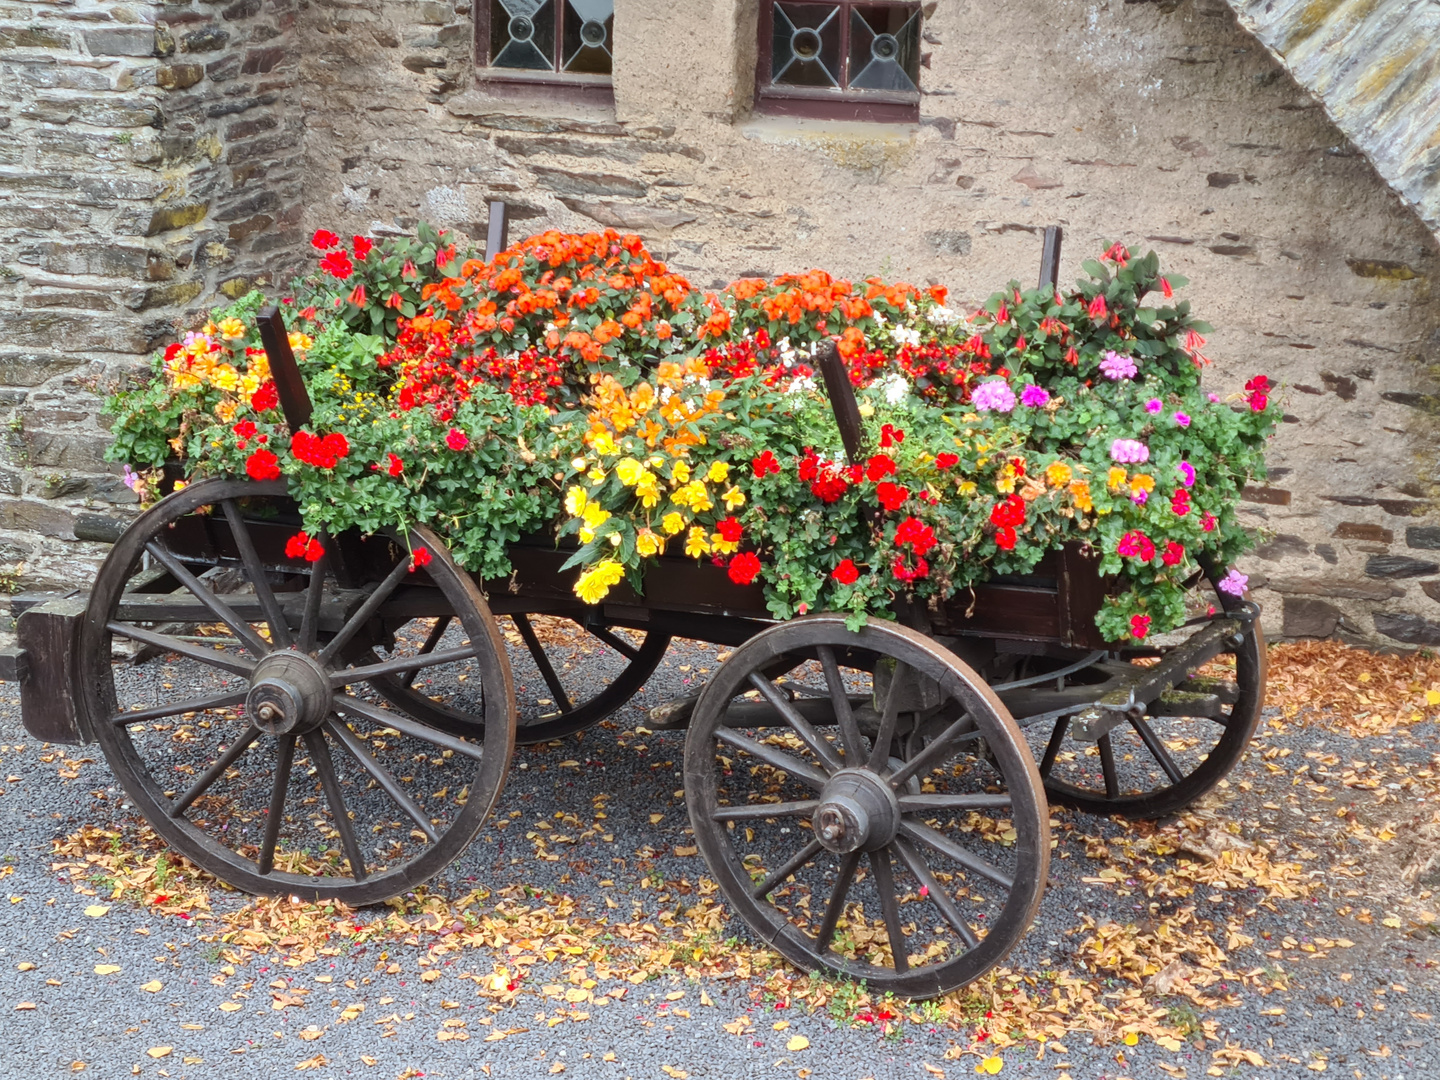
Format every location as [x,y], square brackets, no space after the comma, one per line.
[522,34]
[884,48]
[807,45]
[588,28]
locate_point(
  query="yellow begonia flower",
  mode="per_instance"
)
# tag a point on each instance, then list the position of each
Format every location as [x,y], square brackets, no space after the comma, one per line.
[225,410]
[1142,482]
[602,443]
[230,329]
[1005,482]
[967,487]
[721,545]
[598,580]
[695,543]
[300,342]
[1080,492]
[647,490]
[680,473]
[579,464]
[734,499]
[575,500]
[1058,473]
[1117,478]
[595,515]
[629,471]
[672,523]
[648,543]
[260,367]
[596,477]
[719,472]
[866,410]
[225,377]
[694,497]
[249,383]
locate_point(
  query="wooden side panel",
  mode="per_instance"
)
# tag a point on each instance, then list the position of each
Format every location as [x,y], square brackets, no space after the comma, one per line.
[48,707]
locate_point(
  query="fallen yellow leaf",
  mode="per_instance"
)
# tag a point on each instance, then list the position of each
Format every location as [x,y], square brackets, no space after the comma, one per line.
[797,1042]
[230,1006]
[991,1065]
[25,965]
[96,910]
[106,969]
[25,1006]
[152,987]
[158,1052]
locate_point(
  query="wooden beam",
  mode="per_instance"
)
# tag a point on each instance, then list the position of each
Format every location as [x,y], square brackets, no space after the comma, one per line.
[842,400]
[497,232]
[294,398]
[1050,257]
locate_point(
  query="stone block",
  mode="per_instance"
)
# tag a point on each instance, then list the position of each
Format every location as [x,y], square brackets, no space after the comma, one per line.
[1404,507]
[1411,629]
[260,202]
[565,182]
[262,61]
[174,294]
[109,260]
[1269,495]
[241,9]
[1431,589]
[1423,536]
[178,76]
[32,369]
[1399,566]
[1308,617]
[420,63]
[949,241]
[1337,587]
[206,39]
[65,450]
[628,215]
[121,41]
[1355,530]
[243,230]
[176,217]
[244,129]
[26,516]
[1282,546]
[1387,269]
[33,37]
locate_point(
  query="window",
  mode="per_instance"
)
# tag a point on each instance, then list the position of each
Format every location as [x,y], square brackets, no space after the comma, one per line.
[842,60]
[561,47]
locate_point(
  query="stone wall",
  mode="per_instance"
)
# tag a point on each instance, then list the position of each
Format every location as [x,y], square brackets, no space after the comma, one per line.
[150,160]
[1162,124]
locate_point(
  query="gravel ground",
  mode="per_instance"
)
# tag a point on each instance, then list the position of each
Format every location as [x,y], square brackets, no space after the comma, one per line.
[1345,1012]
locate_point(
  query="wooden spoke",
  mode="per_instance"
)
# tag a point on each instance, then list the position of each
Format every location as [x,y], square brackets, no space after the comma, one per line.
[284,759]
[818,744]
[210,775]
[432,640]
[920,804]
[314,597]
[366,611]
[537,652]
[330,781]
[1107,766]
[257,645]
[845,716]
[936,892]
[351,742]
[176,708]
[836,907]
[274,616]
[916,830]
[399,665]
[347,703]
[760,811]
[799,859]
[615,641]
[225,661]
[773,755]
[1157,749]
[890,907]
[1052,748]
[937,751]
[880,752]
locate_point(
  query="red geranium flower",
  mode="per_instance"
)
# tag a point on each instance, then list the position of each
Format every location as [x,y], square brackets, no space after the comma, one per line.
[880,466]
[891,496]
[1139,626]
[396,466]
[457,439]
[1173,553]
[889,434]
[245,429]
[1008,512]
[262,465]
[846,573]
[730,530]
[418,558]
[1005,538]
[338,264]
[362,247]
[744,568]
[917,534]
[946,461]
[303,546]
[266,398]
[324,239]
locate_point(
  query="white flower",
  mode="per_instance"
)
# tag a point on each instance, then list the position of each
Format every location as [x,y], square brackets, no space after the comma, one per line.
[666,393]
[903,335]
[942,316]
[878,317]
[802,385]
[895,387]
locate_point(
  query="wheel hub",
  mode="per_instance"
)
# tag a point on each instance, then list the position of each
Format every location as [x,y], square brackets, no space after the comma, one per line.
[857,812]
[289,692]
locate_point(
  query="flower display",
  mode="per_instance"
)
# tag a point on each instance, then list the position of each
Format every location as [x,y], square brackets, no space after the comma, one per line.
[578,391]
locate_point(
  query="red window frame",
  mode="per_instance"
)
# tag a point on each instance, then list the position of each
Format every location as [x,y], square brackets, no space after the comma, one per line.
[546,85]
[824,103]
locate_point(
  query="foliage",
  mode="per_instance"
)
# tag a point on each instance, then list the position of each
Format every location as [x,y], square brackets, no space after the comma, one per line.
[578,370]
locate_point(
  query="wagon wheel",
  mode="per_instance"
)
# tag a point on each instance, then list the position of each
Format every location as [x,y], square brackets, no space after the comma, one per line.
[247,741]
[550,678]
[820,840]
[1154,765]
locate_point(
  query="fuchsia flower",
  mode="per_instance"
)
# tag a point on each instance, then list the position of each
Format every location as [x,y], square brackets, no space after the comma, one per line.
[994,396]
[1233,583]
[1118,366]
[1129,451]
[1034,397]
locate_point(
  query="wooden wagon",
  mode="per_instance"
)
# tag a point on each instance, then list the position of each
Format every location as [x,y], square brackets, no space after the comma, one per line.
[874,803]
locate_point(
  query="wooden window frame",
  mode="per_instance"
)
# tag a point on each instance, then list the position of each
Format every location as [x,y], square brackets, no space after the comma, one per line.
[824,104]
[559,86]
